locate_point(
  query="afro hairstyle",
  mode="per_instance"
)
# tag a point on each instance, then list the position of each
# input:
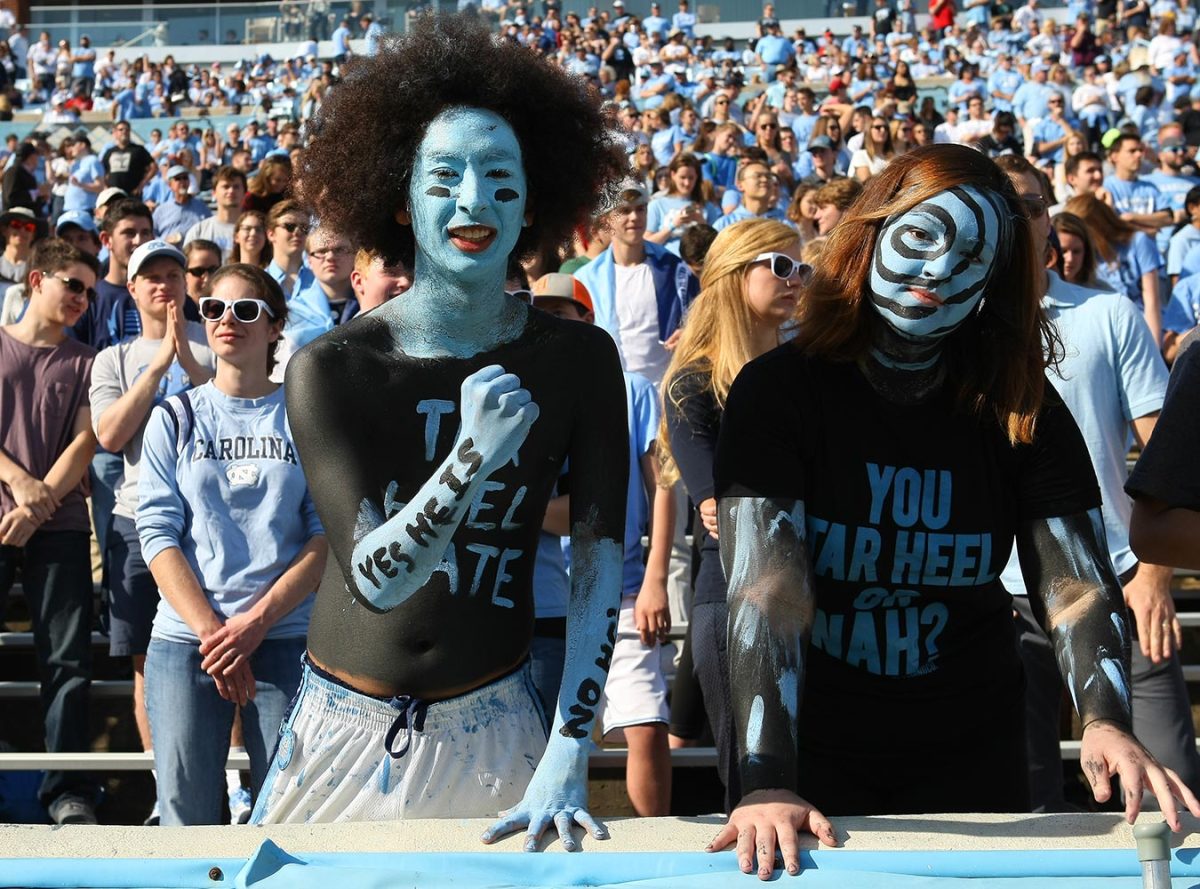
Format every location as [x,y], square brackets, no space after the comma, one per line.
[356,170]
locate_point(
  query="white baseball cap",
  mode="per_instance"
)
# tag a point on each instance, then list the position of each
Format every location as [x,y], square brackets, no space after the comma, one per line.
[152,250]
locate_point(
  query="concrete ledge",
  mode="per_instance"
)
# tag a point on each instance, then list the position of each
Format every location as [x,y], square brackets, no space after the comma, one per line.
[881,833]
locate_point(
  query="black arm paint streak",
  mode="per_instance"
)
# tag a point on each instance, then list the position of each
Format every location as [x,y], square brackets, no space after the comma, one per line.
[587,696]
[1079,601]
[771,606]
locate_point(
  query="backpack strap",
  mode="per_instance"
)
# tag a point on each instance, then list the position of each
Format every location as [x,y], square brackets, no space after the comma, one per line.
[179,409]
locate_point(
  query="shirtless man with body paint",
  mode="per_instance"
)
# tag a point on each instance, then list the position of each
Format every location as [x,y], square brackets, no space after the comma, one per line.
[871,481]
[433,431]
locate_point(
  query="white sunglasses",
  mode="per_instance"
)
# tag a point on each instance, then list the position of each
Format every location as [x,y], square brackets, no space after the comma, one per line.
[245,310]
[784,267]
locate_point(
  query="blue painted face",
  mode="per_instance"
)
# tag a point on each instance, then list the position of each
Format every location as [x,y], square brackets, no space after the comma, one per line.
[467,195]
[932,262]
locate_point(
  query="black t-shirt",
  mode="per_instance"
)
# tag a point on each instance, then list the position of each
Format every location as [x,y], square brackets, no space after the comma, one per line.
[693,426]
[1168,468]
[125,168]
[910,514]
[885,19]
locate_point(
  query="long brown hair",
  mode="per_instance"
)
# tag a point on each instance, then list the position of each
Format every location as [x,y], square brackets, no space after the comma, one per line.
[996,361]
[265,255]
[1106,228]
[1070,224]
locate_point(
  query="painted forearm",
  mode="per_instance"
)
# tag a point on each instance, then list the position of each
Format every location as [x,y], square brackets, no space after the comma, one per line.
[1066,566]
[394,557]
[771,605]
[591,633]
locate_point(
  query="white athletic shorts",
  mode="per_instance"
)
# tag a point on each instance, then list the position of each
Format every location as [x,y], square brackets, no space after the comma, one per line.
[465,757]
[636,692]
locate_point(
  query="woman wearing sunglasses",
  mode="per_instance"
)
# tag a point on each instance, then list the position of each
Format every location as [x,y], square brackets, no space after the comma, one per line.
[234,543]
[20,229]
[872,477]
[750,286]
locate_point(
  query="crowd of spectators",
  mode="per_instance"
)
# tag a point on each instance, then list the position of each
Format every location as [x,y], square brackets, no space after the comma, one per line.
[1105,110]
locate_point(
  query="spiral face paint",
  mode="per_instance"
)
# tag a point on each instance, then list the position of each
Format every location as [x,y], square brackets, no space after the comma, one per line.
[932,262]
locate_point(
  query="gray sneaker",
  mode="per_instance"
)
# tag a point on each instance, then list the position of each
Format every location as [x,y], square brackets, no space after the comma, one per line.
[72,809]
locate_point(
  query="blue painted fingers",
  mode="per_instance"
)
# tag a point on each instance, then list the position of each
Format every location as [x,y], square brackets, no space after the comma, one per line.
[497,414]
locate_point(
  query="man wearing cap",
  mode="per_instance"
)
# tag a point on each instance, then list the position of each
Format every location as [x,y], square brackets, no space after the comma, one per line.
[78,229]
[774,49]
[1003,83]
[634,701]
[823,156]
[104,199]
[684,20]
[1031,102]
[170,356]
[639,290]
[86,179]
[656,86]
[173,218]
[654,23]
[127,165]
[83,66]
[1170,180]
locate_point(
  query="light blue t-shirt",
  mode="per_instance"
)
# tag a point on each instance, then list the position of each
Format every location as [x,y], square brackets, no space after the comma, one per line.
[1179,247]
[1183,311]
[1124,275]
[660,209]
[740,212]
[233,499]
[86,170]
[1111,374]
[1174,190]
[1138,196]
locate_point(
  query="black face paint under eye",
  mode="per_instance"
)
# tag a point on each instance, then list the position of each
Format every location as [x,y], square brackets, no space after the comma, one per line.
[506,195]
[438,191]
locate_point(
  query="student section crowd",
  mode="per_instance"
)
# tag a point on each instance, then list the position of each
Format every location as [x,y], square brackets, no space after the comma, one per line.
[1098,115]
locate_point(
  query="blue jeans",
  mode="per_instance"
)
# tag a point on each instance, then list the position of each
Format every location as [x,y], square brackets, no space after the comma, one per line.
[56,575]
[190,723]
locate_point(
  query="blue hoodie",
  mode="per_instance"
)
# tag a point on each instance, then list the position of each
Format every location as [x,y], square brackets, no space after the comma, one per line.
[674,285]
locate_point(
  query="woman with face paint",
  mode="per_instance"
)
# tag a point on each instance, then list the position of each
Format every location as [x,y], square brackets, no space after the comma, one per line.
[872,477]
[433,430]
[750,287]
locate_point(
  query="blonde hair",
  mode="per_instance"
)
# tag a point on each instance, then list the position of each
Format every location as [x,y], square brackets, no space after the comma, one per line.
[716,336]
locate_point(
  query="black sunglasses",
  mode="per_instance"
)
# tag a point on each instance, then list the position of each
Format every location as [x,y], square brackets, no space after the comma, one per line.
[292,227]
[76,286]
[201,270]
[1036,207]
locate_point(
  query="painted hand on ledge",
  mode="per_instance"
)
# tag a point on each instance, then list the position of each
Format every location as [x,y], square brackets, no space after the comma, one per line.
[557,795]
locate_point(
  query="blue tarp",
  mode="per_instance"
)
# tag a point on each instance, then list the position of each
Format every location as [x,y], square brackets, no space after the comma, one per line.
[273,868]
